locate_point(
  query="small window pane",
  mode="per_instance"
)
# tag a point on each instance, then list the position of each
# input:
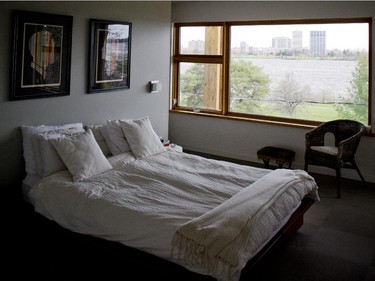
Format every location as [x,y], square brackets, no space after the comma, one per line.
[313,72]
[201,40]
[200,86]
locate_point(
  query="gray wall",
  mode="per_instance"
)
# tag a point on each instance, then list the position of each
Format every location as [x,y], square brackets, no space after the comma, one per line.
[150,57]
[150,61]
[240,139]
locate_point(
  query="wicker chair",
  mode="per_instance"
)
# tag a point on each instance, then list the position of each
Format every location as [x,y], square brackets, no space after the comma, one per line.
[347,134]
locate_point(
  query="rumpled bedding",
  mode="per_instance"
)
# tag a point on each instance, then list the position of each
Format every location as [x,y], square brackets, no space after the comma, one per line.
[142,203]
[218,240]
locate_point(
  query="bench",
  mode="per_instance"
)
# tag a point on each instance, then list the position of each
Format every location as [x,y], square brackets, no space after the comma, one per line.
[280,155]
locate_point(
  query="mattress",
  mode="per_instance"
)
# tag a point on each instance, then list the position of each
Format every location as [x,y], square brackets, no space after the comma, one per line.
[141,203]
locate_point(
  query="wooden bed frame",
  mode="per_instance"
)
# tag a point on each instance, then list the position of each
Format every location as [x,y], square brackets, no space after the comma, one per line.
[156,267]
[283,235]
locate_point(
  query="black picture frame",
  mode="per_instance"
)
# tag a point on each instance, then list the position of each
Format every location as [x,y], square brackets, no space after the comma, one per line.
[41,55]
[109,62]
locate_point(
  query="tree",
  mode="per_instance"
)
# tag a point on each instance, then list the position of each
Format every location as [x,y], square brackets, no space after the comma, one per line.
[355,106]
[191,86]
[289,94]
[248,83]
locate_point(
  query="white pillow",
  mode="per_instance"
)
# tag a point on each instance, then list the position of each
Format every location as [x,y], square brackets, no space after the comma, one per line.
[96,130]
[28,151]
[142,138]
[114,137]
[47,159]
[82,155]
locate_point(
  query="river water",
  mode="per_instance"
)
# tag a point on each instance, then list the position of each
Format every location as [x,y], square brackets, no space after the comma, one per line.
[328,77]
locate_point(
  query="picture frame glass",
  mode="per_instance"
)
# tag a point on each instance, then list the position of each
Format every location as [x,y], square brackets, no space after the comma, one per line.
[41,55]
[109,56]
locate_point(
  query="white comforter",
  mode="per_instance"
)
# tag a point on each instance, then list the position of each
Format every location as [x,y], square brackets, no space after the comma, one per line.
[141,203]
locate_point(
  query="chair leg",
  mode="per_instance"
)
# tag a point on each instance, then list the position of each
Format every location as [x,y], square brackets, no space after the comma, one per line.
[359,172]
[338,178]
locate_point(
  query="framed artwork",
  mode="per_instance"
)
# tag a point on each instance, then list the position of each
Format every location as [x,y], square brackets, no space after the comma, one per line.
[41,55]
[109,64]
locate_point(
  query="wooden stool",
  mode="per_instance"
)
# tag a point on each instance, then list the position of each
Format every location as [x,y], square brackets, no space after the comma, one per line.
[280,155]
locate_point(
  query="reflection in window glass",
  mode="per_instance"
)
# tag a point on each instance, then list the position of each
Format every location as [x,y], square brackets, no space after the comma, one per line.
[313,72]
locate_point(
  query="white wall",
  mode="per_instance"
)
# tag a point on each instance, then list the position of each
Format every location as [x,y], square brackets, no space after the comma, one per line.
[150,56]
[239,139]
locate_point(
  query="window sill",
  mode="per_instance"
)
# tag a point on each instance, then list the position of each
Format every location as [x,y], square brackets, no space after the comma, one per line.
[256,120]
[242,118]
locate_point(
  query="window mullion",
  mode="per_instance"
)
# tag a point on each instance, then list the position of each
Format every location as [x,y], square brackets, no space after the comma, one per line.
[199,59]
[226,52]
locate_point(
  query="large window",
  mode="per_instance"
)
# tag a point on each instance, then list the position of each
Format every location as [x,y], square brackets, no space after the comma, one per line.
[298,72]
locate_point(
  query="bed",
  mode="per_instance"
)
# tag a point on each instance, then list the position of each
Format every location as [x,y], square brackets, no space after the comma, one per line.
[119,183]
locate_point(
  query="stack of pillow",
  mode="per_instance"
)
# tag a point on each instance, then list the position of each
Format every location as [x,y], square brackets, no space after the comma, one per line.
[84,152]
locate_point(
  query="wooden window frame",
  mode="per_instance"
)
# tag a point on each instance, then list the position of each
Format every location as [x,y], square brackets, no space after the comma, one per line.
[195,58]
[225,58]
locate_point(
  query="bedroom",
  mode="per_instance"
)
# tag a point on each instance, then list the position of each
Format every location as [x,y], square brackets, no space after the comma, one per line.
[151,61]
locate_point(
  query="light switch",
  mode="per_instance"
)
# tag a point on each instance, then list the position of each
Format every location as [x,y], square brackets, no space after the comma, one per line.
[155,86]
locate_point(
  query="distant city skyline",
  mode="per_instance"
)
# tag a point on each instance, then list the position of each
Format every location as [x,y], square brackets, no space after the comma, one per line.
[338,36]
[354,36]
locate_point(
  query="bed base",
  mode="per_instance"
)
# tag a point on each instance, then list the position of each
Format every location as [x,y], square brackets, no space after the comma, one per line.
[151,267]
[284,234]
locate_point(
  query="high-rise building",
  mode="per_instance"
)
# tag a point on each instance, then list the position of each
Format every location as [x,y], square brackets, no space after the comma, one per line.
[317,42]
[297,40]
[281,43]
[196,46]
[243,46]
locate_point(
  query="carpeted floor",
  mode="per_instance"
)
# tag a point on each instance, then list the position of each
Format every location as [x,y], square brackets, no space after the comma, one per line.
[337,240]
[336,243]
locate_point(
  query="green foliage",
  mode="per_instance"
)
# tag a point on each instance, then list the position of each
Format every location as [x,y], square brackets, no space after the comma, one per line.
[248,83]
[191,86]
[356,104]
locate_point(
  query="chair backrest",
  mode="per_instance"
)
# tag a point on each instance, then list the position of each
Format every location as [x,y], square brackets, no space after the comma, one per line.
[343,129]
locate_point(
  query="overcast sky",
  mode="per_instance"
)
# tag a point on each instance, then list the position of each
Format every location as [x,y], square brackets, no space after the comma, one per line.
[338,36]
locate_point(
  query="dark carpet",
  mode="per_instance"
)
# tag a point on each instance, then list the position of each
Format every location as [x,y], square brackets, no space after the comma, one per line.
[337,240]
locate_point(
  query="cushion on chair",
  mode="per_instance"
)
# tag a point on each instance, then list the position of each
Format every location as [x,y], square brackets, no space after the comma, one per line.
[331,150]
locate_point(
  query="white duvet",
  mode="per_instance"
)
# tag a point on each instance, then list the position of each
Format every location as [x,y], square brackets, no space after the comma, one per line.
[142,203]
